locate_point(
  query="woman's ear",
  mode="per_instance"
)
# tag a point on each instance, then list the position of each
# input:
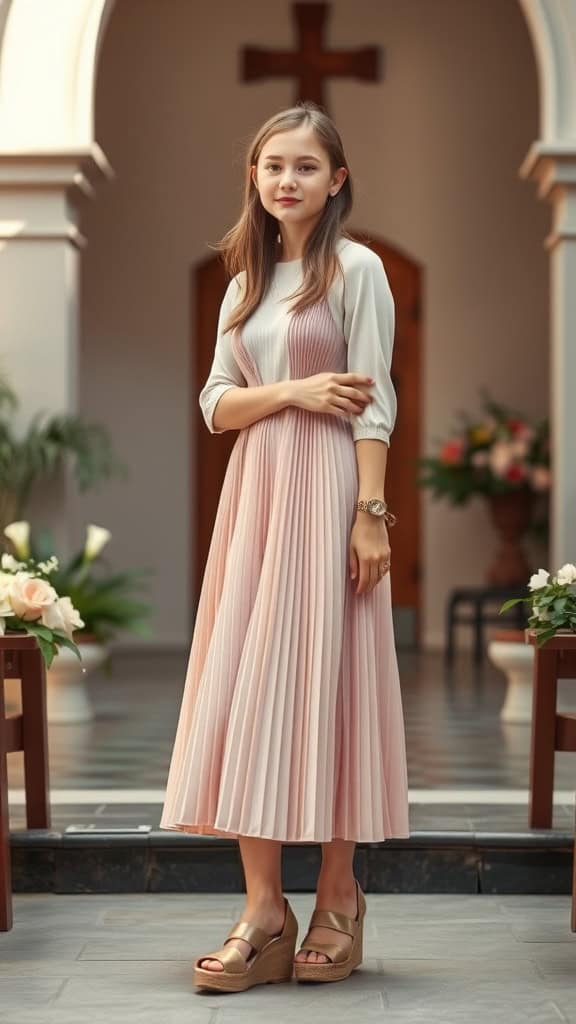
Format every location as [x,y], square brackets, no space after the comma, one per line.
[339,179]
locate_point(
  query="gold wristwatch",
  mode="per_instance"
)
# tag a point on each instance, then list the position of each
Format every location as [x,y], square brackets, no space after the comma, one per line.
[377,507]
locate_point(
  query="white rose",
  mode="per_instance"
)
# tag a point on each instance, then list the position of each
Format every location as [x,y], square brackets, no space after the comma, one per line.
[19,534]
[567,574]
[501,456]
[539,579]
[6,581]
[63,616]
[29,596]
[96,538]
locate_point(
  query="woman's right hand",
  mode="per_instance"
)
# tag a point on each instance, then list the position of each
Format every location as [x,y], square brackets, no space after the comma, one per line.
[340,394]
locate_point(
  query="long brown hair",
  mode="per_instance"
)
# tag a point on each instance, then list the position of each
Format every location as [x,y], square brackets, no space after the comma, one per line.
[251,245]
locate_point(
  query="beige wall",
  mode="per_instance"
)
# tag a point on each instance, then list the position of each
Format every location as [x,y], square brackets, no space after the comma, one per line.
[434,149]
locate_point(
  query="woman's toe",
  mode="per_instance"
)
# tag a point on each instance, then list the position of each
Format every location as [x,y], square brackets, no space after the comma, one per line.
[211,965]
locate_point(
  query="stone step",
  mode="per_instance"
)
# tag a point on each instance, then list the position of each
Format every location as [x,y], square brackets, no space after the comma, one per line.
[155,860]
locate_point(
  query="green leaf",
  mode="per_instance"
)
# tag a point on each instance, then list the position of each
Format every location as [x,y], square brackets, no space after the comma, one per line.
[39,630]
[64,641]
[48,650]
[545,634]
[512,602]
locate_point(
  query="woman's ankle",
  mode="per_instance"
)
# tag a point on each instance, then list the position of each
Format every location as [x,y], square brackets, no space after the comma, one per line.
[336,884]
[265,899]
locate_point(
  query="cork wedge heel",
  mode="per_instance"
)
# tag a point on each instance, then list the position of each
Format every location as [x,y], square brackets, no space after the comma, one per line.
[271,961]
[342,961]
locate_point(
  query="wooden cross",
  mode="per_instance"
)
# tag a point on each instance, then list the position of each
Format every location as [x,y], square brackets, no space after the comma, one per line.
[310,64]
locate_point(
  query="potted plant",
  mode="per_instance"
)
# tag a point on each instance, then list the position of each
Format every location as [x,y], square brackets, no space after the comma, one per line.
[104,603]
[504,458]
[39,452]
[552,600]
[552,603]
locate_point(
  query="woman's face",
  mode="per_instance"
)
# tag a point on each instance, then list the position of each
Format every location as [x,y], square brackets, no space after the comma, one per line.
[293,165]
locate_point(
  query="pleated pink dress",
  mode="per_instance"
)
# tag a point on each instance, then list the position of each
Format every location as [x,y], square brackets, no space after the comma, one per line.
[291,724]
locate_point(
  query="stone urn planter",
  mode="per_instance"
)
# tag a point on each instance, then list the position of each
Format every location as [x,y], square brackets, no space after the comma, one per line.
[515,658]
[510,653]
[67,695]
[511,515]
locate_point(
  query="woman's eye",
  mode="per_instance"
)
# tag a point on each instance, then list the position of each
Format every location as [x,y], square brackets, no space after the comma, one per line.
[303,167]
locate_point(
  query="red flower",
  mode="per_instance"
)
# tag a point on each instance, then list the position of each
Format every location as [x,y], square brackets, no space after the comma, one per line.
[515,473]
[451,452]
[515,426]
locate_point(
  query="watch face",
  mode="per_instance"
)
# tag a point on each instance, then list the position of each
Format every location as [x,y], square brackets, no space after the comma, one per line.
[376,507]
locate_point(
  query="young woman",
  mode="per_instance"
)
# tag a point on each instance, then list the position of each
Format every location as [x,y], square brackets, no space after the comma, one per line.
[291,726]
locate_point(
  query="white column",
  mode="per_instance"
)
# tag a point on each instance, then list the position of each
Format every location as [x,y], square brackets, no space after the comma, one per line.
[40,248]
[554,168]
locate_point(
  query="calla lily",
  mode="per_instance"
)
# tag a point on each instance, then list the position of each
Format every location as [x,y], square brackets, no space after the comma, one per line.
[96,538]
[19,533]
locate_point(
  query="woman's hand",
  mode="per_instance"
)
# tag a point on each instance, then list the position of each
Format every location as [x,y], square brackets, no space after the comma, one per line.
[337,393]
[369,549]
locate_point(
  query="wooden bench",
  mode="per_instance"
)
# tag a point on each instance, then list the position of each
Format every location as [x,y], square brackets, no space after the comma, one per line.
[551,731]
[20,658]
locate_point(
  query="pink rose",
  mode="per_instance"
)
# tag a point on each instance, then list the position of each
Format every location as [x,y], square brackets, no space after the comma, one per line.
[30,596]
[541,478]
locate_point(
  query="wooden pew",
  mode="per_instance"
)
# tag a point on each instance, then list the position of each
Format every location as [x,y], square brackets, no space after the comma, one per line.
[20,657]
[551,731]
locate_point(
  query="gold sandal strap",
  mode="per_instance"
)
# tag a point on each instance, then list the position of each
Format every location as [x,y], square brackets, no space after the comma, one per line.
[257,937]
[336,953]
[332,919]
[230,958]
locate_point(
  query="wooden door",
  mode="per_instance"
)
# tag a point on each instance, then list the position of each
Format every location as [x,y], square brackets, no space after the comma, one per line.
[213,450]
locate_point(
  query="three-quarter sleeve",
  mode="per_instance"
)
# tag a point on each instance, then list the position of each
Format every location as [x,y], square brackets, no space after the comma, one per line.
[369,320]
[225,372]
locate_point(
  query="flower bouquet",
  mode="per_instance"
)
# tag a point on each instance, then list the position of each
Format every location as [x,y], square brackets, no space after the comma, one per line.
[103,601]
[553,602]
[498,453]
[30,604]
[505,459]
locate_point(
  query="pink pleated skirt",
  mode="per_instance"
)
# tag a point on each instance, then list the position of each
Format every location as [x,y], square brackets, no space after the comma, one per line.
[291,725]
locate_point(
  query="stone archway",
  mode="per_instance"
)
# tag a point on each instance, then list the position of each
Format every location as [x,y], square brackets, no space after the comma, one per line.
[47,81]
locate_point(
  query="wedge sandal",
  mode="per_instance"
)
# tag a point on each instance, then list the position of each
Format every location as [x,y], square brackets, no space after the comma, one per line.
[271,961]
[342,961]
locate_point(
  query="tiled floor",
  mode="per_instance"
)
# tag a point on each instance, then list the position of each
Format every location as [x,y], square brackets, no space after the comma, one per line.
[90,959]
[455,740]
[451,959]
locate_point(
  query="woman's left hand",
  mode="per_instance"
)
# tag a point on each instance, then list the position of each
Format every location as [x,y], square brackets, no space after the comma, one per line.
[369,551]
